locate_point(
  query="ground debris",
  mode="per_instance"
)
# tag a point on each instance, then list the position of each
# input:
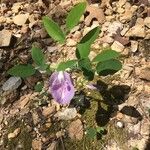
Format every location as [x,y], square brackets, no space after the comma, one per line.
[94,12]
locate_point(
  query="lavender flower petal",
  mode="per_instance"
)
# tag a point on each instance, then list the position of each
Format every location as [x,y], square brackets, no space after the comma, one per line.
[61,87]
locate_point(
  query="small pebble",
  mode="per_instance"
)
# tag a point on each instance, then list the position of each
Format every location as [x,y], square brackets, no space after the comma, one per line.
[119,124]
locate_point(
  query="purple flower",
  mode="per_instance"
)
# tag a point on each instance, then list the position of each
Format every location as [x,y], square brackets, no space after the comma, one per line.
[61,87]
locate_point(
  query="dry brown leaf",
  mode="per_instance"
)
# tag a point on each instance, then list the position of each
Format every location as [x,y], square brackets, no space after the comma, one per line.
[124,41]
[94,13]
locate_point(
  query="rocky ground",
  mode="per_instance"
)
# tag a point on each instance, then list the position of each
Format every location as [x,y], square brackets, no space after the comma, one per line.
[32,120]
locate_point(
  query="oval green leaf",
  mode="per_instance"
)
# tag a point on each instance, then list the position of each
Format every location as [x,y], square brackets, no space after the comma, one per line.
[106,55]
[83,48]
[68,64]
[108,67]
[22,70]
[37,56]
[75,15]
[53,29]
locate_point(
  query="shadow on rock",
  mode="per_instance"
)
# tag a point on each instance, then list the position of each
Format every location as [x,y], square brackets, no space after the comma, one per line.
[131,111]
[81,102]
[115,95]
[112,97]
[103,115]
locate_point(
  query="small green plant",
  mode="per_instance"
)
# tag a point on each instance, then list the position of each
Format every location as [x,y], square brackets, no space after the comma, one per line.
[93,132]
[61,86]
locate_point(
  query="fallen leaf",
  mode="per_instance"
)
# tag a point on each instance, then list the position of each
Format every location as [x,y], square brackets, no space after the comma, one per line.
[124,41]
[94,13]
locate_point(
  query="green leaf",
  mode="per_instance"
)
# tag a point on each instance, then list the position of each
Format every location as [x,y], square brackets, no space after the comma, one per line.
[68,64]
[39,86]
[91,133]
[106,55]
[22,70]
[37,56]
[53,29]
[75,15]
[83,48]
[86,67]
[100,130]
[108,67]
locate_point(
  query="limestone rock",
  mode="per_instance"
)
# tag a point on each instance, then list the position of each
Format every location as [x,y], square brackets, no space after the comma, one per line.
[14,134]
[134,46]
[147,22]
[66,114]
[16,6]
[71,42]
[75,130]
[136,31]
[5,38]
[20,19]
[117,46]
[145,74]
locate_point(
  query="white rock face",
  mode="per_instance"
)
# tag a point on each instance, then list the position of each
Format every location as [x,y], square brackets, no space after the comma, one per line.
[66,114]
[12,83]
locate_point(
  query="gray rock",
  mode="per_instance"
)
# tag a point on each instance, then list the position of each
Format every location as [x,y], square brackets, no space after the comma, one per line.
[12,83]
[66,114]
[52,49]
